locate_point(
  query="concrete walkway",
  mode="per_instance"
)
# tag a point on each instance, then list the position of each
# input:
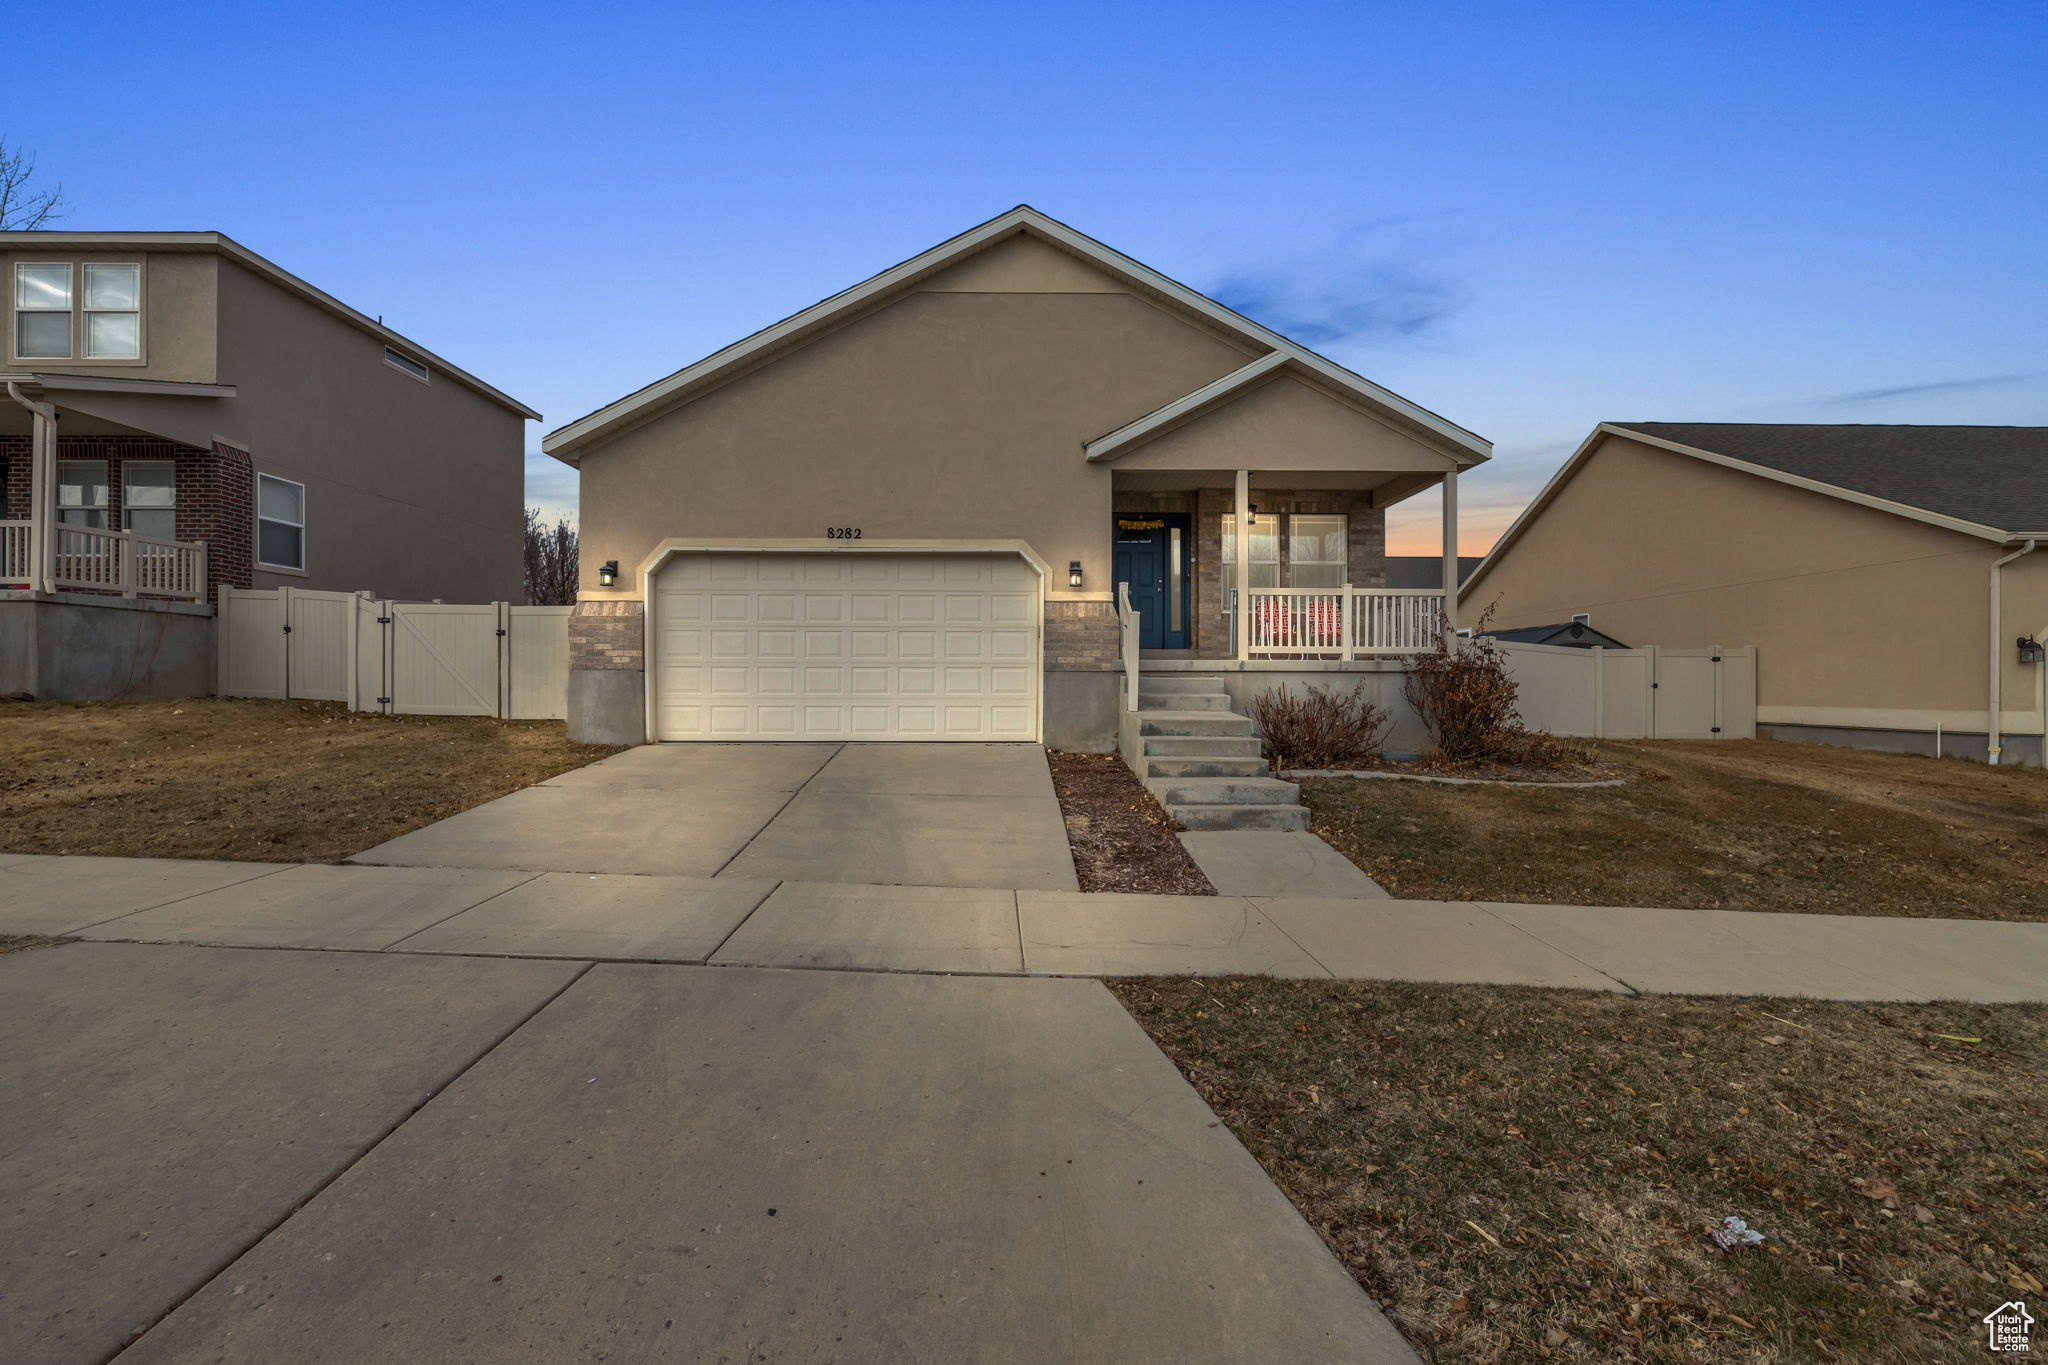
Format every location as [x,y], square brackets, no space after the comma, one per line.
[757,921]
[252,1157]
[902,814]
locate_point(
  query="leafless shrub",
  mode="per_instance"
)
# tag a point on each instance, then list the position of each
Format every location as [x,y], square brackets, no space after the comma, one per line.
[1465,695]
[1320,728]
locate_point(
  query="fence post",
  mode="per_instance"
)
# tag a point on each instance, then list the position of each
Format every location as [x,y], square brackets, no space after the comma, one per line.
[1347,623]
[124,565]
[1599,653]
[504,610]
[220,641]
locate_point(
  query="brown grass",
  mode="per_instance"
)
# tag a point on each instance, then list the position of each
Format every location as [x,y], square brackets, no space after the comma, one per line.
[266,781]
[22,943]
[1122,838]
[1516,1173]
[1746,825]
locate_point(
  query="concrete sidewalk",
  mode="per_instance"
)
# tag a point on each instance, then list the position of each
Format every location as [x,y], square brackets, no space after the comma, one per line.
[737,921]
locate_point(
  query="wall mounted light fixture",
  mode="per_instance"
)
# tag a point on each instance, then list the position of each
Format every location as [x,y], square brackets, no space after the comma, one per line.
[1074,574]
[608,574]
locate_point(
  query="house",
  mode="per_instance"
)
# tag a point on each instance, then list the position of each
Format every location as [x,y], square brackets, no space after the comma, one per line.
[181,415]
[1573,634]
[916,510]
[1885,575]
[1425,571]
[2009,1327]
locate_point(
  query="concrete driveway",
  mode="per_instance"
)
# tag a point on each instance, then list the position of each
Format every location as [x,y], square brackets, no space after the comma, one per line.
[963,815]
[247,1156]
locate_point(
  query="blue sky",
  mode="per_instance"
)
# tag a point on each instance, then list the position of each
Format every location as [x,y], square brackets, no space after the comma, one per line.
[1527,217]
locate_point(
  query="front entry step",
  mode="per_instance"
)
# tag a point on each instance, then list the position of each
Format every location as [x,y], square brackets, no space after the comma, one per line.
[1203,761]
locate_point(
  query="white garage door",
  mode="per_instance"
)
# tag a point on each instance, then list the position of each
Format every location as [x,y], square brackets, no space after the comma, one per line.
[846,646]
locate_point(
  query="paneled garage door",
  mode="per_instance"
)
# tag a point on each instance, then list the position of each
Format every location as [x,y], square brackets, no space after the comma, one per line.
[846,646]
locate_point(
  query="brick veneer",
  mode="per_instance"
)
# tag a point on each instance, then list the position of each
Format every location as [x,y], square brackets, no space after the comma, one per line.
[1365,551]
[607,634]
[216,493]
[1082,637]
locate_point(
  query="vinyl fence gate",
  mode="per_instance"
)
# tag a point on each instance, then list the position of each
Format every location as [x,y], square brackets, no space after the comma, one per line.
[1655,692]
[404,658]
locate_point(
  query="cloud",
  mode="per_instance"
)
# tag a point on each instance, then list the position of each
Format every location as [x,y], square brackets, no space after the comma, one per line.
[1937,386]
[551,486]
[1356,289]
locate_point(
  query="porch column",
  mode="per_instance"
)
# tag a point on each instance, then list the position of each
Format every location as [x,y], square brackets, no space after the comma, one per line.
[42,485]
[1244,564]
[1451,552]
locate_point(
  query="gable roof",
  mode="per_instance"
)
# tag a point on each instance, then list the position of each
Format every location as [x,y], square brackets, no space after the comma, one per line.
[220,244]
[1988,482]
[1574,634]
[566,442]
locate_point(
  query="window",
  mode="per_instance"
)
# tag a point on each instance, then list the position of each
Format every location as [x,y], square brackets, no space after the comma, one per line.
[1265,569]
[399,360]
[280,523]
[1315,552]
[113,311]
[149,498]
[82,493]
[42,311]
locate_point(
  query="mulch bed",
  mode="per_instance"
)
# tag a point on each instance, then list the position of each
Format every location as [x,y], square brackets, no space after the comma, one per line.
[1123,839]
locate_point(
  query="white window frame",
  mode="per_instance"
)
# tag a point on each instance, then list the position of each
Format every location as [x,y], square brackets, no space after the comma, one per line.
[128,508]
[409,366]
[1228,551]
[59,507]
[300,524]
[1343,560]
[15,310]
[85,315]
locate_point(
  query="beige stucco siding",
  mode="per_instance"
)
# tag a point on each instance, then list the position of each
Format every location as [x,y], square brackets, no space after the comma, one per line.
[1023,265]
[1295,425]
[178,314]
[412,490]
[1858,616]
[947,414]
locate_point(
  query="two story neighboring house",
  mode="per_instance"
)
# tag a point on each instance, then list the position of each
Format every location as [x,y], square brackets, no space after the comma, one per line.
[181,414]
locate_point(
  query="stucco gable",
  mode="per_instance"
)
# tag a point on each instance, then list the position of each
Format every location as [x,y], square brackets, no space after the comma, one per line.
[1286,422]
[1024,264]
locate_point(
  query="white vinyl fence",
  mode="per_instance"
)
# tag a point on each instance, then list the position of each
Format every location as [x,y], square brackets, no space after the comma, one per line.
[411,658]
[1649,693]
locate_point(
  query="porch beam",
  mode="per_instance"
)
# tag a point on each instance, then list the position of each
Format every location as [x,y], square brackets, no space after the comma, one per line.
[1450,545]
[1244,565]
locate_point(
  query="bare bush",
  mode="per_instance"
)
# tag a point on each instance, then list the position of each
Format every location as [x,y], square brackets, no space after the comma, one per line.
[1320,728]
[1465,695]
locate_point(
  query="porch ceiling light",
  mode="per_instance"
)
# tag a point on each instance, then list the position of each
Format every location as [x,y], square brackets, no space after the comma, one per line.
[1074,574]
[608,574]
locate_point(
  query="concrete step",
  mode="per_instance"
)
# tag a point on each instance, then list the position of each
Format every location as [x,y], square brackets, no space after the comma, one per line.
[1184,701]
[1241,817]
[1193,723]
[1224,791]
[1206,766]
[1177,682]
[1202,746]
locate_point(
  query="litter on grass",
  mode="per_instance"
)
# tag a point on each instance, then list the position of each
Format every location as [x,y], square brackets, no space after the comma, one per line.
[1735,1234]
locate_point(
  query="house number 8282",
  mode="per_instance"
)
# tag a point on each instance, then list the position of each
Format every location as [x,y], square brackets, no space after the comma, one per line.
[842,533]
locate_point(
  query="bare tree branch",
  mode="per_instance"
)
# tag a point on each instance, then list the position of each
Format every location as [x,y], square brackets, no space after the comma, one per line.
[552,564]
[22,206]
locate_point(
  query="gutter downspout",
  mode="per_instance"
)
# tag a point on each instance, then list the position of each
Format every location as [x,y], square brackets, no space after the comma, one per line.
[42,452]
[1992,737]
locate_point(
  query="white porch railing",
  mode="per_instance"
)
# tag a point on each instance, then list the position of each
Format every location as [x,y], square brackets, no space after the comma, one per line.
[1342,623]
[106,561]
[1127,630]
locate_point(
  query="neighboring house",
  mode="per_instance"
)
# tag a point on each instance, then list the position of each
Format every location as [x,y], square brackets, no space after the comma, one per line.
[1567,634]
[1884,574]
[906,512]
[1425,571]
[183,415]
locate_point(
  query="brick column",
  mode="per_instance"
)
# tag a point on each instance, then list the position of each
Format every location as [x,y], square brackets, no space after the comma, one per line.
[608,672]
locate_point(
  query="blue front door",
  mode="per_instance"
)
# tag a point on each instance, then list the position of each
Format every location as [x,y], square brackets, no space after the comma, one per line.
[1152,556]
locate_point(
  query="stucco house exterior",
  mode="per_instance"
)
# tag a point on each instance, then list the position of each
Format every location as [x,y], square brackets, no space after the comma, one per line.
[180,415]
[1886,575]
[939,504]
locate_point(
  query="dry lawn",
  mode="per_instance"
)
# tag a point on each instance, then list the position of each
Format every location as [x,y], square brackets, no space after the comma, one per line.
[264,781]
[1517,1174]
[1744,825]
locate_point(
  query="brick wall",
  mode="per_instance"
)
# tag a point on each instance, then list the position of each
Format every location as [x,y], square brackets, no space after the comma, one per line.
[607,634]
[1082,637]
[215,495]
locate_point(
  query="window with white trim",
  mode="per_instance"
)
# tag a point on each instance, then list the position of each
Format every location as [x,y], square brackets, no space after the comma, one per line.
[280,523]
[1265,566]
[149,498]
[400,361]
[82,493]
[1316,551]
[42,310]
[113,310]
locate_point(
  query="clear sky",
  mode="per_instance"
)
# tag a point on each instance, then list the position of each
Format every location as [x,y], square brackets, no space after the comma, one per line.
[1528,217]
